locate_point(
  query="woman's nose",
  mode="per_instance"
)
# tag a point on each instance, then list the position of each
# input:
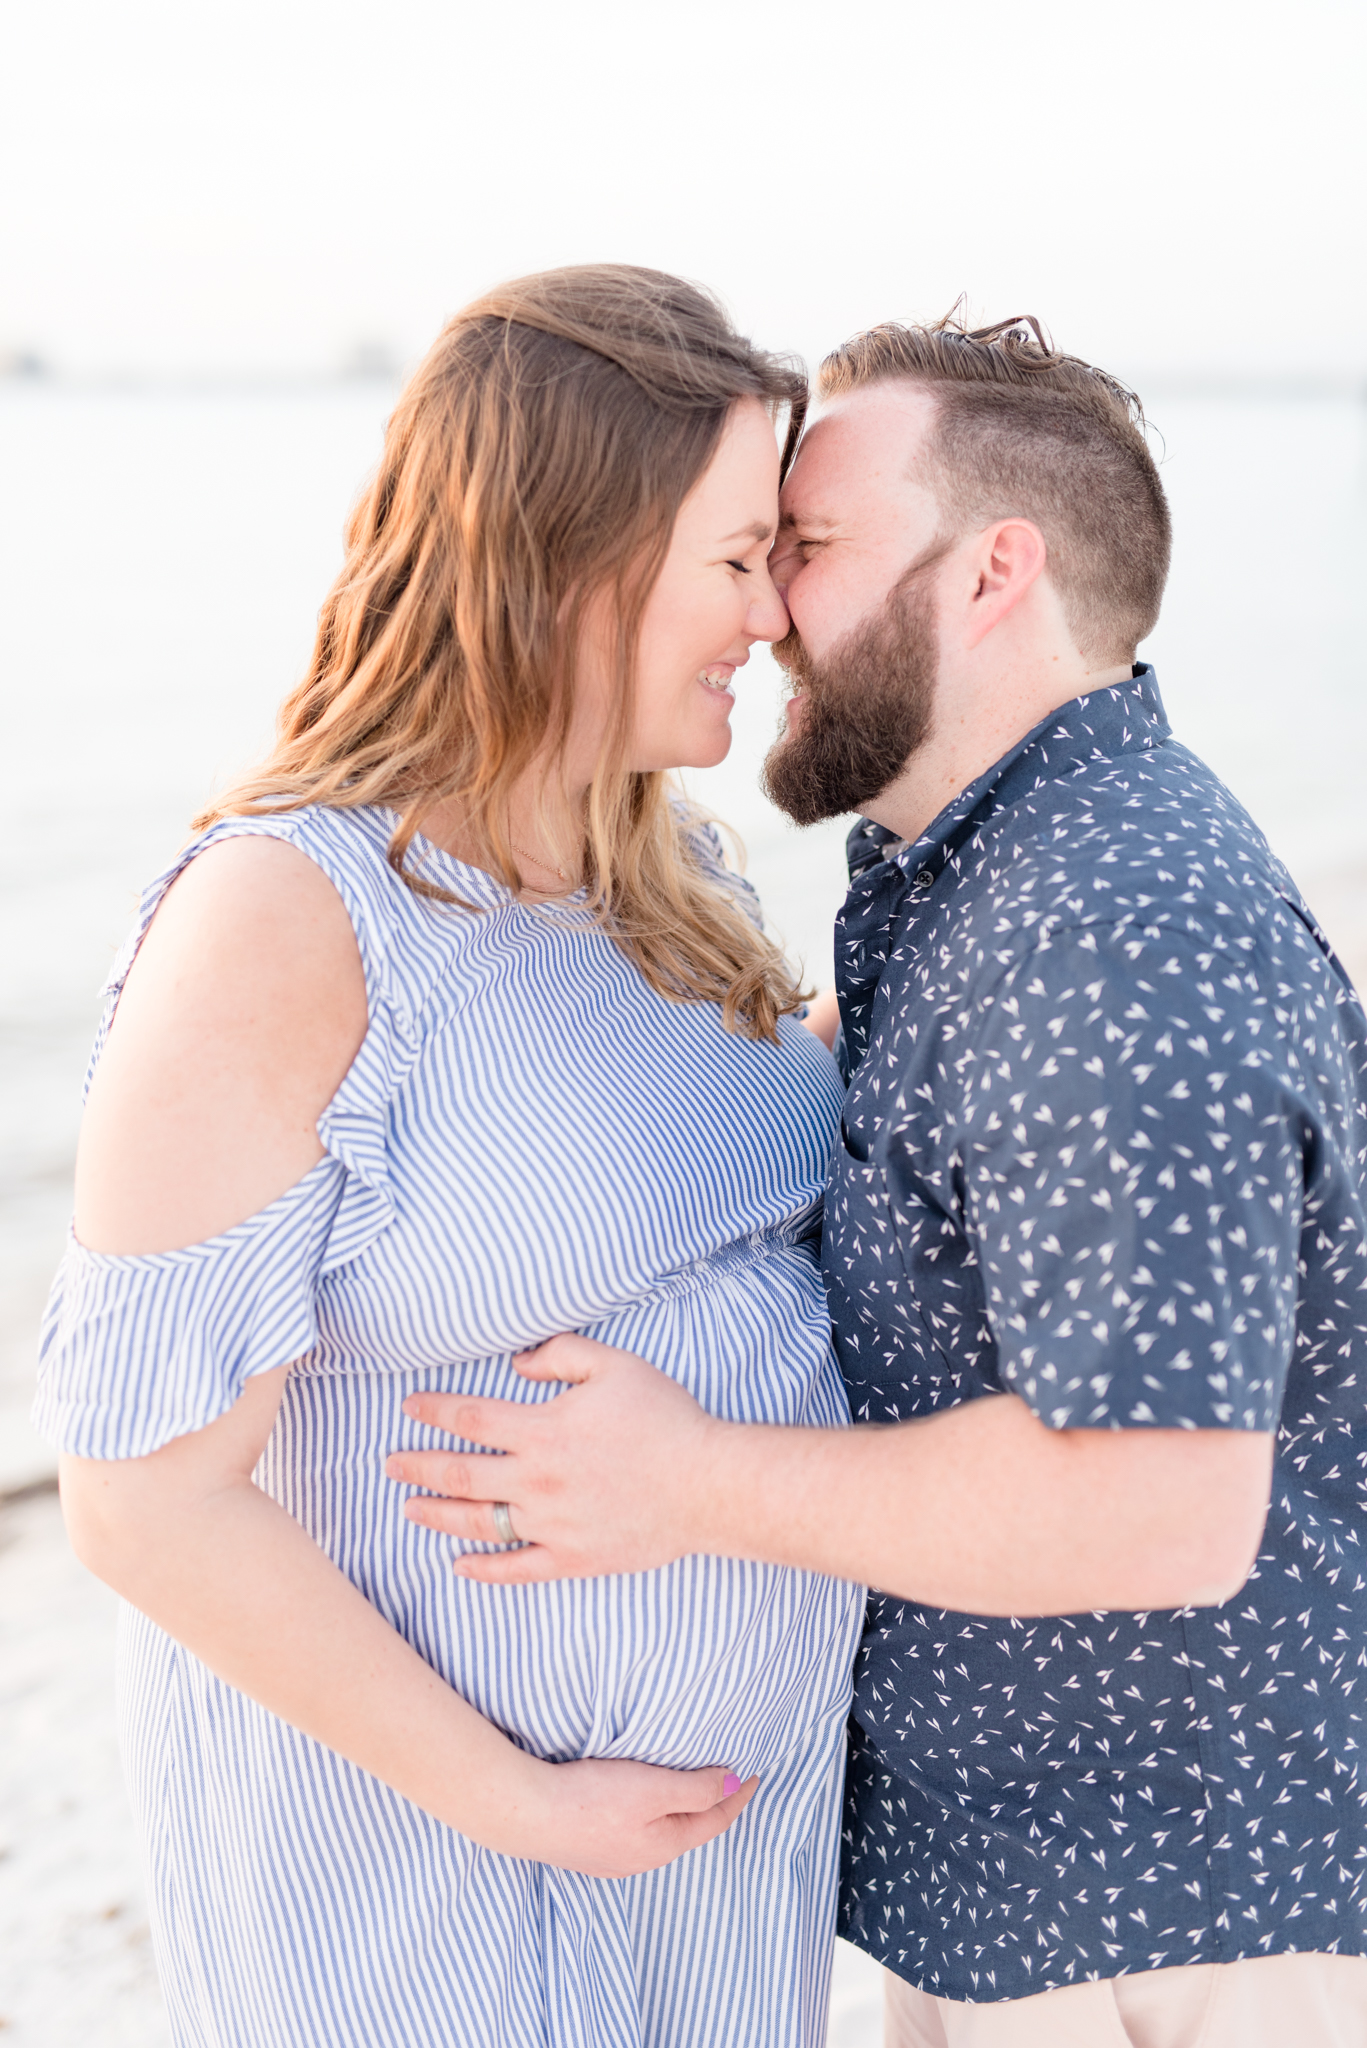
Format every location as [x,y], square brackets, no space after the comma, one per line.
[767,618]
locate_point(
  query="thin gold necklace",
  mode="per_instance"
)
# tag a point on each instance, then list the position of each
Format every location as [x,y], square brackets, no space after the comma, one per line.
[537,861]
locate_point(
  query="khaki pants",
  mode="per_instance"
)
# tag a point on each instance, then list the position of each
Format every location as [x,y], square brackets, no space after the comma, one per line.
[1308,2001]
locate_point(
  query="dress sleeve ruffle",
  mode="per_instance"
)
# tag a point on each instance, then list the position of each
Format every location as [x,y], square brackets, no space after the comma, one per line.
[138,1348]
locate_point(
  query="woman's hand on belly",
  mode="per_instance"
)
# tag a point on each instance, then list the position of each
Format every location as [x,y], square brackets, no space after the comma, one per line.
[609,1818]
[610,1477]
[187,1537]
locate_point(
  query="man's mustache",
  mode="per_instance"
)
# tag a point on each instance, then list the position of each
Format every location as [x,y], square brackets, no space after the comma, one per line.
[791,655]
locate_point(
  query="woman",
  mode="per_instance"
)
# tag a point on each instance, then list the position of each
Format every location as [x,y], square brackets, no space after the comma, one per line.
[448,1032]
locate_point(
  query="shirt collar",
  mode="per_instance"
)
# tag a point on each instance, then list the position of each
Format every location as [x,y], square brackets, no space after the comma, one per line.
[1123,718]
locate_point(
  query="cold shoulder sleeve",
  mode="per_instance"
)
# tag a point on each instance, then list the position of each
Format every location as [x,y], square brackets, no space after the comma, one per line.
[139,1349]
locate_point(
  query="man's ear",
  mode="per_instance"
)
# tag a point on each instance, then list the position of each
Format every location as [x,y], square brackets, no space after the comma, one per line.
[1007,559]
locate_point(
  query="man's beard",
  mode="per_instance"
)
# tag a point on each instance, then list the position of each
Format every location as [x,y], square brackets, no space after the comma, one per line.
[866,707]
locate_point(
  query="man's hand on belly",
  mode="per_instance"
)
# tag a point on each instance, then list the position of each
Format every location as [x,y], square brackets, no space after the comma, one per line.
[609,1477]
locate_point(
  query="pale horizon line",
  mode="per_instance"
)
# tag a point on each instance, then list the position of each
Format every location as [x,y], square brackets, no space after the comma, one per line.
[22,370]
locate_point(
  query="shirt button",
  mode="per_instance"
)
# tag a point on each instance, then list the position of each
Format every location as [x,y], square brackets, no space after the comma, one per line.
[925,879]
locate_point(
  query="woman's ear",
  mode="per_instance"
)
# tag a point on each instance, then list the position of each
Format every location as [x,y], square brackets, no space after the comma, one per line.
[1008,558]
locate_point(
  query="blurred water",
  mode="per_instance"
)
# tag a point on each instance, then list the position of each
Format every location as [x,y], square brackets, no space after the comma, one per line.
[162,556]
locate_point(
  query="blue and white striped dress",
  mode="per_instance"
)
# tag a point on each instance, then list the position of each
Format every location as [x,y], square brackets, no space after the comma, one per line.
[530,1140]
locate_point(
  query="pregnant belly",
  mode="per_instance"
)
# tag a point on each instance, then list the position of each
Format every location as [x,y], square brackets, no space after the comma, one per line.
[710,1660]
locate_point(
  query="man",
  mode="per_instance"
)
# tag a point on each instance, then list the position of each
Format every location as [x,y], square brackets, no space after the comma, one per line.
[1096,1247]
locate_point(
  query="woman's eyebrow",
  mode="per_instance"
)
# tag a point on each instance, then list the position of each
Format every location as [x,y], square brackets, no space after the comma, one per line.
[758,529]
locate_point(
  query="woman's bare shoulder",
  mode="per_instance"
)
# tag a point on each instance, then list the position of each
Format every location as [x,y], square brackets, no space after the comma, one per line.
[238,1021]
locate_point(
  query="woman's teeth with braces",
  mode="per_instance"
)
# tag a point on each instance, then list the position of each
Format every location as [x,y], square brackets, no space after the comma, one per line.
[715,679]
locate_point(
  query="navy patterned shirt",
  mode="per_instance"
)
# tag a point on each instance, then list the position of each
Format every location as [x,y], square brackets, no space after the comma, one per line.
[1105,1147]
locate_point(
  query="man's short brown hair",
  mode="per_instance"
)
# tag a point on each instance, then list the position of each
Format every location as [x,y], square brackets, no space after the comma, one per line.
[1024,431]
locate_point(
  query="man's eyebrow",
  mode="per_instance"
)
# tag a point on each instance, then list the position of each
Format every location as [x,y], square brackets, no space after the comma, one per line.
[810,520]
[758,529]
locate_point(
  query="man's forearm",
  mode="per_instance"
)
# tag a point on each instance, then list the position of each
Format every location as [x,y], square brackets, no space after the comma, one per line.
[979,1508]
[983,1510]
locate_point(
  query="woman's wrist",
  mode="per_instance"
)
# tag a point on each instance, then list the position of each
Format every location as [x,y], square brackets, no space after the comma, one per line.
[502,1797]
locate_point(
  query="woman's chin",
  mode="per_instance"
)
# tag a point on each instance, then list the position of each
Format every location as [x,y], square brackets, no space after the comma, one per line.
[709,752]
[699,750]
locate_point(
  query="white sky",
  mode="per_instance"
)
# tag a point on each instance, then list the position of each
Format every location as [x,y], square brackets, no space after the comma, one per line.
[261,184]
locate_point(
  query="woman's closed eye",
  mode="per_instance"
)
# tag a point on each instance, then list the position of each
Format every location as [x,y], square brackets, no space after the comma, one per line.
[738,565]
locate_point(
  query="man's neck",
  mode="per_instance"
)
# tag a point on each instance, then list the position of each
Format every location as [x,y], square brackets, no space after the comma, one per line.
[970,731]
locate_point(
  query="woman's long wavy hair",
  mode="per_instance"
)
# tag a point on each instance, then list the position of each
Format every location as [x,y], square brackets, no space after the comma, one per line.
[536,461]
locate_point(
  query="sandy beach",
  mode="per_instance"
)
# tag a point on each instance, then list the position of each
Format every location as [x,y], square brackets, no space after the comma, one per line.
[75,1949]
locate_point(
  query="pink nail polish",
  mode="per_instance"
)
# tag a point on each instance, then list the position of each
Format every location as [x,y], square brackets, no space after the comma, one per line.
[729,1784]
